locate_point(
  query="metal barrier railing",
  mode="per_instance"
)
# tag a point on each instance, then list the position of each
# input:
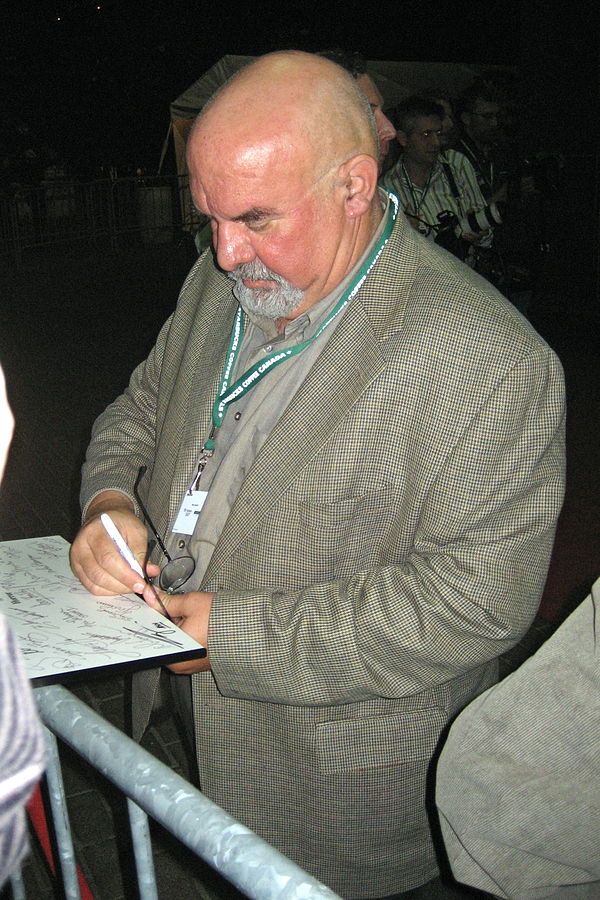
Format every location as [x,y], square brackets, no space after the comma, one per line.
[109,211]
[247,861]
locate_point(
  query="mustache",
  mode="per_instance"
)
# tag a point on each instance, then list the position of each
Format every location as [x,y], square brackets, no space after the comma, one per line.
[255,270]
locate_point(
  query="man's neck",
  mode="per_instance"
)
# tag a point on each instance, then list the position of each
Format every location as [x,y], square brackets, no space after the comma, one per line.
[418,173]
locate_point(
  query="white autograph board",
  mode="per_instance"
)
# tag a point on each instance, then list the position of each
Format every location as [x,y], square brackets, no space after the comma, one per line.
[62,629]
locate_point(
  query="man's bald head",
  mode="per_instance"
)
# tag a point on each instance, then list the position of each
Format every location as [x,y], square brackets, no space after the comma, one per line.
[283,160]
[292,99]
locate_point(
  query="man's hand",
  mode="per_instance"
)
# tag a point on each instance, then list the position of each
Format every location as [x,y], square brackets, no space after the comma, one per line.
[191,612]
[94,558]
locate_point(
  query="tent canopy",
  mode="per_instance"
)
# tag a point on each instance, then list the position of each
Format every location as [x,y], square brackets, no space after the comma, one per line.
[395,80]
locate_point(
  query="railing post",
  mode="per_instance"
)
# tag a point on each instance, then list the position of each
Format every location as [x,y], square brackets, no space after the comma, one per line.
[112,218]
[14,222]
[60,816]
[142,848]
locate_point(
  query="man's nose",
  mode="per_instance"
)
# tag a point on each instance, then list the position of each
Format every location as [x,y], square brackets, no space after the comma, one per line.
[387,130]
[232,245]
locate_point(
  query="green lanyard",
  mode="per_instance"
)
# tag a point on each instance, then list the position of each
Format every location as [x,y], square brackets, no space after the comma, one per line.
[230,393]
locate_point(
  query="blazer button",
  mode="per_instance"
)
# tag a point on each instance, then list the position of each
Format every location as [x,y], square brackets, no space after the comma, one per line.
[181,545]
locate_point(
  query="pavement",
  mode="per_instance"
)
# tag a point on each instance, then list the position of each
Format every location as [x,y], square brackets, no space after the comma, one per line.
[72,327]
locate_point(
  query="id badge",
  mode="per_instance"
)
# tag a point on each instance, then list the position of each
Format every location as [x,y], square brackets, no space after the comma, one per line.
[189,511]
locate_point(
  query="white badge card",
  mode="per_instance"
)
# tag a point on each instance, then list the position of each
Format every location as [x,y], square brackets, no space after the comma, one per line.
[189,511]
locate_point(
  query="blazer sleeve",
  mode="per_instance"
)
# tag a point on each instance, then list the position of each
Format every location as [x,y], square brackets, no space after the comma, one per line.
[21,751]
[467,591]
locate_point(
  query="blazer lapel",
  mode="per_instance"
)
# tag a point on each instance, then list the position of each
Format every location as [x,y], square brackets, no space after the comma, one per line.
[351,361]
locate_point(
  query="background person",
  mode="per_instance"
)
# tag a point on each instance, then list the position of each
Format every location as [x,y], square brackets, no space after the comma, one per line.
[449,134]
[373,516]
[480,137]
[431,183]
[524,186]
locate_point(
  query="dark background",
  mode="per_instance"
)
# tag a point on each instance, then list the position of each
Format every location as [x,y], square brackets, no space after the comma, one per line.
[93,85]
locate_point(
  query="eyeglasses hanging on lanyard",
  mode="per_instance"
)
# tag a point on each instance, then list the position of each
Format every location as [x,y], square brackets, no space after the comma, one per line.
[177,570]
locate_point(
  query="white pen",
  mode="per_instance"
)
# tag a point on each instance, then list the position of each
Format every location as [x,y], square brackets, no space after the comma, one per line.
[116,536]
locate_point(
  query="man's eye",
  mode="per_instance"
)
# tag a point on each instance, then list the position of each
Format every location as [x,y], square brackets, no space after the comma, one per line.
[257,225]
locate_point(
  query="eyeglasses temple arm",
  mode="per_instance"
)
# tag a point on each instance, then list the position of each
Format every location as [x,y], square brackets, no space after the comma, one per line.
[136,494]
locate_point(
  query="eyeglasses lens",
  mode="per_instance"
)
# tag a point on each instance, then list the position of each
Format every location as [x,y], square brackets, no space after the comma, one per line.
[176,573]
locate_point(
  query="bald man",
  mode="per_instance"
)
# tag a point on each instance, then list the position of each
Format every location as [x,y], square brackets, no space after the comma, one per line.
[351,449]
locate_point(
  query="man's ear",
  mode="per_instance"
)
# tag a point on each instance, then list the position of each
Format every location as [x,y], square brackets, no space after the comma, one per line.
[359,179]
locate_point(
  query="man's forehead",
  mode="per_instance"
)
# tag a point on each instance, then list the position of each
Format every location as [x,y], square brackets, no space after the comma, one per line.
[247,146]
[242,193]
[242,174]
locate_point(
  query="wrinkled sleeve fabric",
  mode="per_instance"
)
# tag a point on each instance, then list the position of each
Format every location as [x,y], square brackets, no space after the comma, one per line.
[518,780]
[22,755]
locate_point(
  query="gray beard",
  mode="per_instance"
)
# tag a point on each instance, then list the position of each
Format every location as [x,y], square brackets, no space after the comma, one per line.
[274,303]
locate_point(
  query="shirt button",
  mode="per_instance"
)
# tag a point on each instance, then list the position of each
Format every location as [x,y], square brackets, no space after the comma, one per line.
[237,416]
[181,545]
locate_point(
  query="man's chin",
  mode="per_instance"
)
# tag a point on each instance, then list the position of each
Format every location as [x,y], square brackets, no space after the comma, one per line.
[259,286]
[270,303]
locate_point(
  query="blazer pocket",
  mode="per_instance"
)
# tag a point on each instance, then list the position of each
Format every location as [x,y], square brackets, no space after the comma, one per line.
[390,740]
[346,535]
[347,512]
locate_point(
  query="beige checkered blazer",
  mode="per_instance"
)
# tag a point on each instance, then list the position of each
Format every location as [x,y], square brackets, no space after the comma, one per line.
[390,541]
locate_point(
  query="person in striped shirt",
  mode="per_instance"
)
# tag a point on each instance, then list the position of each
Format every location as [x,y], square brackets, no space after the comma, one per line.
[432,183]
